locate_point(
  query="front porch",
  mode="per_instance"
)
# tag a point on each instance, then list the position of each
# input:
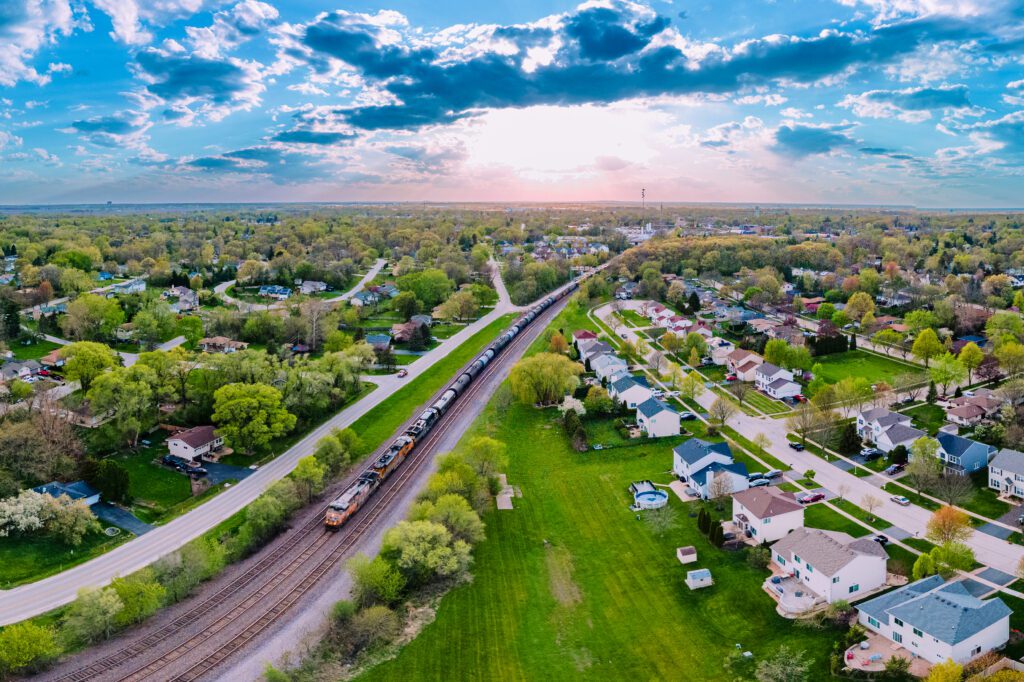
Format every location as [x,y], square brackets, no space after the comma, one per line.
[871,655]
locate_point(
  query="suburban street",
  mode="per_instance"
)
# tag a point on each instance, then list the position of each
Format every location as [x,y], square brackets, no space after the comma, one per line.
[32,599]
[988,549]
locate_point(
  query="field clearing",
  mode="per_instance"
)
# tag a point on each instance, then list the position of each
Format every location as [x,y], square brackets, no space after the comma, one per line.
[858,363]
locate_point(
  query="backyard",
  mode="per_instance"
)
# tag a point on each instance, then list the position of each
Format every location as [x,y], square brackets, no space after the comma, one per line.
[34,350]
[859,363]
[927,417]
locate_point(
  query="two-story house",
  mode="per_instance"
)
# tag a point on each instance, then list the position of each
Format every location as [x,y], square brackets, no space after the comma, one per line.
[657,419]
[871,423]
[897,435]
[199,441]
[961,455]
[767,513]
[699,463]
[629,391]
[606,365]
[1006,473]
[938,621]
[743,363]
[830,564]
[775,381]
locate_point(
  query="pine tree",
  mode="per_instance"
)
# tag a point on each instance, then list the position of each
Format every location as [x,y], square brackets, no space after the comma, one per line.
[933,395]
[717,536]
[694,302]
[853,342]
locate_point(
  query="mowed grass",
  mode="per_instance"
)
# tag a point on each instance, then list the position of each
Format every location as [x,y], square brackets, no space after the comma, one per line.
[380,422]
[33,351]
[858,363]
[927,417]
[27,559]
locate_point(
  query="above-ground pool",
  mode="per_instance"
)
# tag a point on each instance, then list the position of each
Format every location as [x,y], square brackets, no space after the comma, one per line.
[651,499]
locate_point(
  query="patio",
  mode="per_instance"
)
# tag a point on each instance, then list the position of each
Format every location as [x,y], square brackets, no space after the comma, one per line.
[793,596]
[879,650]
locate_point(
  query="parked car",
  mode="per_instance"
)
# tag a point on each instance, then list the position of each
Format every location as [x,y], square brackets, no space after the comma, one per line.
[198,472]
[623,335]
[800,398]
[868,452]
[881,539]
[808,498]
[687,416]
[772,473]
[894,469]
[730,377]
[44,372]
[796,446]
[597,446]
[753,476]
[658,393]
[900,500]
[402,373]
[757,483]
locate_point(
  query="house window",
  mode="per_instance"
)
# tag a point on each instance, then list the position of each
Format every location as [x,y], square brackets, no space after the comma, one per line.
[898,622]
[810,569]
[854,588]
[780,561]
[835,580]
[994,483]
[768,520]
[873,623]
[975,651]
[897,637]
[917,632]
[796,558]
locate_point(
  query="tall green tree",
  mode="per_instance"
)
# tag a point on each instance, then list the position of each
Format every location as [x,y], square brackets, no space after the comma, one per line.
[86,360]
[249,416]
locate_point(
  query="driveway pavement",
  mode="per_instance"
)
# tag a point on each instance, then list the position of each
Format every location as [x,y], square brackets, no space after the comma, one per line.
[218,473]
[122,518]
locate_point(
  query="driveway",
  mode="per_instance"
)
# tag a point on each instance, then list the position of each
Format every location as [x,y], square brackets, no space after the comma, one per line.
[115,516]
[219,473]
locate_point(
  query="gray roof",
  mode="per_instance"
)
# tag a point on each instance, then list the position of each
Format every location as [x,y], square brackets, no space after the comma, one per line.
[877,608]
[1009,460]
[957,445]
[950,613]
[695,449]
[901,433]
[627,382]
[653,406]
[768,369]
[780,382]
[827,551]
[767,501]
[878,413]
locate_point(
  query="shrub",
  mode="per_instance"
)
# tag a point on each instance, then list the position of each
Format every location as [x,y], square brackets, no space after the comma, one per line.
[373,626]
[758,557]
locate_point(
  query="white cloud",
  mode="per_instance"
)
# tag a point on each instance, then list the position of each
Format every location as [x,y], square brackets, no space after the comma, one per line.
[29,26]
[772,100]
[230,28]
[130,18]
[46,157]
[795,114]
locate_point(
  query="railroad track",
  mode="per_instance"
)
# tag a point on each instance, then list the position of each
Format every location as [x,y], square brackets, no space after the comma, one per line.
[302,548]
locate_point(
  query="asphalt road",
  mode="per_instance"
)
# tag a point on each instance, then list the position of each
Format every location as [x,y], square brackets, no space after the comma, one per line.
[29,600]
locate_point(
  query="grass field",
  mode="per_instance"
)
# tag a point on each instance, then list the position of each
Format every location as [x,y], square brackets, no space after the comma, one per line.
[766,404]
[27,559]
[826,518]
[570,585]
[380,422]
[927,417]
[858,363]
[33,351]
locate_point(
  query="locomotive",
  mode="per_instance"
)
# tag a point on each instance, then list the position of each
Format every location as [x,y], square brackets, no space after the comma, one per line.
[356,495]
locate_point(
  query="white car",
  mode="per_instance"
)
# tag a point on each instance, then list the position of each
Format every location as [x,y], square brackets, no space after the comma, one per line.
[900,500]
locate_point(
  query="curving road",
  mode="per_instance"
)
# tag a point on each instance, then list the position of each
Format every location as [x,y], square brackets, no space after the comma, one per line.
[222,288]
[35,598]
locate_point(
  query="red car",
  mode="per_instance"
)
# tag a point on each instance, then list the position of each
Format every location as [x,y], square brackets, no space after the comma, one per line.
[730,377]
[811,497]
[44,372]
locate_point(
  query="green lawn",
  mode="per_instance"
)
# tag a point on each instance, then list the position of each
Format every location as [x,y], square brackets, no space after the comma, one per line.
[570,585]
[766,404]
[155,489]
[27,559]
[859,363]
[380,422]
[927,417]
[33,351]
[634,319]
[826,518]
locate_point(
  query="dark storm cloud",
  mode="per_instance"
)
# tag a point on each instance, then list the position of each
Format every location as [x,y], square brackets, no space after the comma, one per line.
[175,76]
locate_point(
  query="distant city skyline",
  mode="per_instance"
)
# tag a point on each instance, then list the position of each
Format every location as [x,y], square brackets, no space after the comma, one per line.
[874,102]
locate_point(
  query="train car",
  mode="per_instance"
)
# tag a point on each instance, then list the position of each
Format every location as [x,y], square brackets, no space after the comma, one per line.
[346,504]
[393,457]
[442,403]
[462,383]
[423,424]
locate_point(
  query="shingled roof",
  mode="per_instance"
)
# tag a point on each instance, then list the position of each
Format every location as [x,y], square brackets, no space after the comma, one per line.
[767,501]
[827,551]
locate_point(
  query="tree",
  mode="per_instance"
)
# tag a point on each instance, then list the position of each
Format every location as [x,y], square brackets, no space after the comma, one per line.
[91,317]
[924,466]
[775,351]
[69,520]
[406,304]
[917,320]
[927,346]
[949,671]
[887,339]
[86,360]
[662,520]
[454,513]
[249,416]
[785,665]
[598,401]
[849,440]
[18,391]
[430,286]
[761,441]
[952,488]
[375,581]
[1011,357]
[11,319]
[191,327]
[373,626]
[25,646]
[140,594]
[486,456]
[689,385]
[128,396]
[950,558]
[558,344]
[309,476]
[870,504]
[462,305]
[92,615]
[670,342]
[425,550]
[859,305]
[948,524]
[971,358]
[721,412]
[843,491]
[740,390]
[947,370]
[804,420]
[899,454]
[543,379]
[720,486]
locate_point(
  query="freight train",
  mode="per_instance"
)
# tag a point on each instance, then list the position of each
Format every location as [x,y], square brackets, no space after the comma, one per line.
[356,495]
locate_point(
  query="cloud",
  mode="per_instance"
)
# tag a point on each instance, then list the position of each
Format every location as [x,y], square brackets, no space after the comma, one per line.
[231,28]
[278,164]
[211,87]
[888,10]
[1002,134]
[597,55]
[46,157]
[314,137]
[9,140]
[124,130]
[27,26]
[911,104]
[130,18]
[429,160]
[800,139]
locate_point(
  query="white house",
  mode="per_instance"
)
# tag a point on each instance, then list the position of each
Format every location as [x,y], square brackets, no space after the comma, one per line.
[78,490]
[938,621]
[606,365]
[629,392]
[196,442]
[701,463]
[311,286]
[831,565]
[766,373]
[1006,473]
[657,419]
[720,350]
[767,513]
[966,414]
[871,423]
[897,435]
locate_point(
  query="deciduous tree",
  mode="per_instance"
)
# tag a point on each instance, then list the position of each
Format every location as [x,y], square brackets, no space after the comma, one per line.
[249,416]
[948,524]
[86,360]
[544,378]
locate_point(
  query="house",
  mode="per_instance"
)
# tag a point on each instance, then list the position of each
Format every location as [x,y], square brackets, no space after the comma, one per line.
[743,363]
[19,370]
[720,350]
[275,291]
[871,423]
[938,621]
[699,463]
[763,325]
[386,290]
[185,297]
[52,359]
[581,336]
[657,419]
[766,373]
[310,287]
[362,298]
[78,490]
[626,291]
[965,415]
[962,455]
[132,286]
[792,335]
[606,365]
[422,319]
[782,388]
[405,331]
[831,565]
[1006,473]
[104,276]
[221,344]
[592,349]
[699,578]
[767,513]
[629,392]
[379,342]
[191,444]
[897,435]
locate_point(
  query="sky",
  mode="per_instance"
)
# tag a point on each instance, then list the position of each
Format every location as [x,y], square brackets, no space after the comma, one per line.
[891,102]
